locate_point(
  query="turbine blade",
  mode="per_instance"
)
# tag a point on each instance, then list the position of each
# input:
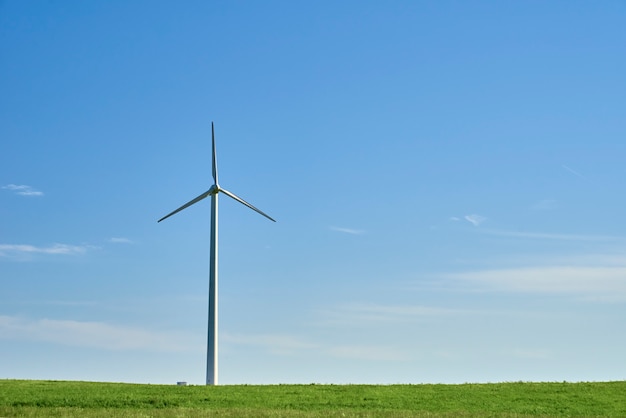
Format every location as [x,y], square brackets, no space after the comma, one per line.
[197,199]
[240,200]
[214,155]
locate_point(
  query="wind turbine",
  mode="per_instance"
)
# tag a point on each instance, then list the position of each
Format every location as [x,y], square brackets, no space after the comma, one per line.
[214,190]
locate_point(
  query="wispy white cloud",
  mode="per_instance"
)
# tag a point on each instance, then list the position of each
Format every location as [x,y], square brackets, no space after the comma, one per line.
[545,204]
[586,281]
[98,335]
[369,352]
[574,172]
[71,303]
[347,230]
[454,219]
[274,343]
[475,219]
[532,354]
[120,240]
[289,345]
[363,314]
[550,236]
[13,250]
[23,190]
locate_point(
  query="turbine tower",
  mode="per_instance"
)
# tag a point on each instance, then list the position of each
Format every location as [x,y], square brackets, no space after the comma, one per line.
[214,190]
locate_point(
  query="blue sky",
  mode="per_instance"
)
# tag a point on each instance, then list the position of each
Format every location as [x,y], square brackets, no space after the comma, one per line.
[447,179]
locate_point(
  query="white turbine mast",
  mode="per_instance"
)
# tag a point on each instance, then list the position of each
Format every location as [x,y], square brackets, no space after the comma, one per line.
[214,190]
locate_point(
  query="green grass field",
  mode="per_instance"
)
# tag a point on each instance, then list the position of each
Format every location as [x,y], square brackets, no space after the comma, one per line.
[84,399]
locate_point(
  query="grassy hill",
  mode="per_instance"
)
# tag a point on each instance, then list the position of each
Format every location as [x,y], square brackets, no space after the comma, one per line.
[88,399]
